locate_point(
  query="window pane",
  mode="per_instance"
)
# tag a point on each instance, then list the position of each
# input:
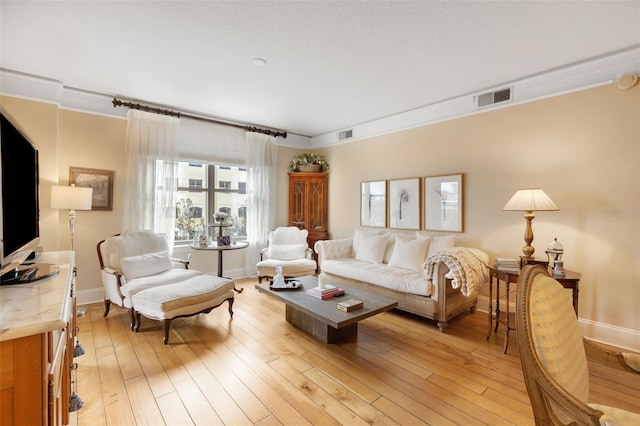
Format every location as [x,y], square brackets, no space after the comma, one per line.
[197,202]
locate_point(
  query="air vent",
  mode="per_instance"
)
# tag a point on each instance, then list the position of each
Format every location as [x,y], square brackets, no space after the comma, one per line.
[492,98]
[345,134]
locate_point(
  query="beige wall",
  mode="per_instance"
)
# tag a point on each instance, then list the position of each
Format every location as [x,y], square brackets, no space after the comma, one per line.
[581,148]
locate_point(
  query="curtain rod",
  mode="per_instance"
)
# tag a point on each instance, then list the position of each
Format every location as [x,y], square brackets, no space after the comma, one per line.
[117,102]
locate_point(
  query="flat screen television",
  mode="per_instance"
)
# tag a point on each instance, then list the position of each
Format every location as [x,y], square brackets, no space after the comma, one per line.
[20,209]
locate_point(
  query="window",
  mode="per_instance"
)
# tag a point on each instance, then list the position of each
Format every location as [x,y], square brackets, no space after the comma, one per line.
[199,197]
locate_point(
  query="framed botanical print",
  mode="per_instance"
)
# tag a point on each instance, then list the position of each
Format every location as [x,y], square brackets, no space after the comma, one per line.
[100,180]
[404,203]
[443,203]
[373,203]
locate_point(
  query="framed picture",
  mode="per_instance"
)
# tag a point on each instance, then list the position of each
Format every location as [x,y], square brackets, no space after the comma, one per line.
[373,203]
[100,180]
[443,203]
[404,203]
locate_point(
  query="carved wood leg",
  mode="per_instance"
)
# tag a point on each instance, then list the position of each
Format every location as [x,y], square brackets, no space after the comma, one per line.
[472,310]
[165,328]
[442,326]
[107,306]
[132,318]
[231,307]
[136,325]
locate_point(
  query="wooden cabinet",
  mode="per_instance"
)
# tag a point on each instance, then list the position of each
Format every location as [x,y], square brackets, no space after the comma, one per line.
[36,347]
[308,204]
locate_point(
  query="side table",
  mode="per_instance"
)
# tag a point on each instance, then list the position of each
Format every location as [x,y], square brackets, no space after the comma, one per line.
[221,249]
[571,280]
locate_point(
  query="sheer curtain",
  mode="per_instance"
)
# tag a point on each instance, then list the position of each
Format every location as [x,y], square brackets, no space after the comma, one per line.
[149,197]
[261,162]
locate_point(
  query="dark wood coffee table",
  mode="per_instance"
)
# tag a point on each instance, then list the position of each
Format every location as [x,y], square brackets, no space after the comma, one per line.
[321,318]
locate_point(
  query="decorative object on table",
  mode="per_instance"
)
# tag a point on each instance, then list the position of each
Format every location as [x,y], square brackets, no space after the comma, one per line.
[325,293]
[203,240]
[350,305]
[322,281]
[223,228]
[507,264]
[554,254]
[530,200]
[224,240]
[373,203]
[443,203]
[308,162]
[289,284]
[404,203]
[101,181]
[71,198]
[278,280]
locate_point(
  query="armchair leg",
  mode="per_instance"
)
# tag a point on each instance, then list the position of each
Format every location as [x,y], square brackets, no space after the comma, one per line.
[231,307]
[132,318]
[166,323]
[107,306]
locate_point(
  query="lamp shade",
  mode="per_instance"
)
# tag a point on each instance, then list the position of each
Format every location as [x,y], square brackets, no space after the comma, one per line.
[71,197]
[531,199]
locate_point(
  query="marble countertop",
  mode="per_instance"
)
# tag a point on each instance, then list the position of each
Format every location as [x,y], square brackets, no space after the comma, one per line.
[40,306]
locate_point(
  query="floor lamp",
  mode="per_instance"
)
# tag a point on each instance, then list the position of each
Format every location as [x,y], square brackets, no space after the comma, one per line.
[528,201]
[71,198]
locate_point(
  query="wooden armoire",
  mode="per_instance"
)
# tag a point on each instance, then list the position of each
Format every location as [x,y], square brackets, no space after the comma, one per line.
[308,204]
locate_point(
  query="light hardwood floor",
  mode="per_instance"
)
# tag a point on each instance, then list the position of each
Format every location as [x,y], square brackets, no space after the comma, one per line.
[258,370]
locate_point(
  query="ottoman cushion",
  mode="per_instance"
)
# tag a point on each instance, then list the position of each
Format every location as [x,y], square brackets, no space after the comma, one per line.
[184,298]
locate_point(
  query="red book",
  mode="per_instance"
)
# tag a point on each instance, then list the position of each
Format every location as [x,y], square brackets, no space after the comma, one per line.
[325,295]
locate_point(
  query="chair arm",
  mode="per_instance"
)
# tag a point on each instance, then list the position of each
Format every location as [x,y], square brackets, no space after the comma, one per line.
[629,361]
[263,253]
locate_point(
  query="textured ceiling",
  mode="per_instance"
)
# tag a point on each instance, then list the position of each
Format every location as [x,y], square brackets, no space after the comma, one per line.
[330,65]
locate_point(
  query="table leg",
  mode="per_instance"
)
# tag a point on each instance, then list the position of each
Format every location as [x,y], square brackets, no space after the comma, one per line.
[490,307]
[220,271]
[506,317]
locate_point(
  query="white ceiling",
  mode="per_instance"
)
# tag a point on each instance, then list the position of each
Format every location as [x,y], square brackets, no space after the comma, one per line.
[330,65]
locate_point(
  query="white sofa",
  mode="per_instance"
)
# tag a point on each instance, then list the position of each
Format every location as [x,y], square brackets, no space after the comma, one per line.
[393,263]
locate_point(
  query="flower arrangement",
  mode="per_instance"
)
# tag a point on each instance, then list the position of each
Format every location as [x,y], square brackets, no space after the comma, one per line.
[307,162]
[220,217]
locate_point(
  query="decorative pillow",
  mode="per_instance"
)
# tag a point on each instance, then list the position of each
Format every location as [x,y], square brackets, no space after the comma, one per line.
[370,248]
[409,254]
[441,243]
[287,251]
[145,264]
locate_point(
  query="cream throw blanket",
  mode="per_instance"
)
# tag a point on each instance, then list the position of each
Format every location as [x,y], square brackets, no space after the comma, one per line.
[468,270]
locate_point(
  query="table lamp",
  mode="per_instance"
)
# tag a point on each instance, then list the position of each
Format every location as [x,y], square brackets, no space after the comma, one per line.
[72,198]
[530,200]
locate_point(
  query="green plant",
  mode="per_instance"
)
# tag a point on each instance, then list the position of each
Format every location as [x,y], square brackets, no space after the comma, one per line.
[306,158]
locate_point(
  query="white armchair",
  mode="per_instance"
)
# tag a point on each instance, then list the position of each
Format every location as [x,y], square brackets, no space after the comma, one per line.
[286,247]
[135,261]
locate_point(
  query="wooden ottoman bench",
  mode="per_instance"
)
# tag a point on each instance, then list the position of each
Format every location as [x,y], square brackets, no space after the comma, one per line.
[197,295]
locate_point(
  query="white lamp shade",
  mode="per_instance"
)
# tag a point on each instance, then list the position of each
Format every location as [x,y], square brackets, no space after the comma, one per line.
[531,199]
[71,197]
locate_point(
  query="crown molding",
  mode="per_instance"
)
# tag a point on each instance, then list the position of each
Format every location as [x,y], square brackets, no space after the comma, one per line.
[597,71]
[594,72]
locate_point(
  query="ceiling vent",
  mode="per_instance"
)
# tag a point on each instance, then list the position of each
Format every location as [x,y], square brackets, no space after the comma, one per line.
[345,134]
[491,98]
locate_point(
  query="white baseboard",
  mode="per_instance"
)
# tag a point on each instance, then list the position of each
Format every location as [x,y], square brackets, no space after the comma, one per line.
[624,338]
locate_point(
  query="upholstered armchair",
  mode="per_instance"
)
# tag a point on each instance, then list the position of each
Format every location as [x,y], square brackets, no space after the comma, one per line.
[135,261]
[287,247]
[554,356]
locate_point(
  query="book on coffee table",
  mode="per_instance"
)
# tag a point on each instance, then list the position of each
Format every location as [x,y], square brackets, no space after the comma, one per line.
[325,293]
[350,305]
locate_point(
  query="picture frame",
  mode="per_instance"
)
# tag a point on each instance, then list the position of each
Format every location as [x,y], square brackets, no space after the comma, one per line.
[444,210]
[405,202]
[373,203]
[100,180]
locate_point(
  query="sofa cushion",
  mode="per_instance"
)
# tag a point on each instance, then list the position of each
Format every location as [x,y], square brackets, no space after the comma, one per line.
[134,243]
[399,279]
[145,264]
[170,276]
[440,243]
[371,248]
[409,253]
